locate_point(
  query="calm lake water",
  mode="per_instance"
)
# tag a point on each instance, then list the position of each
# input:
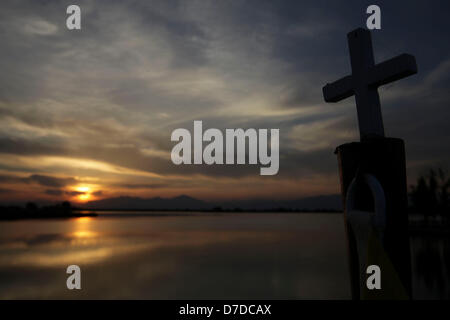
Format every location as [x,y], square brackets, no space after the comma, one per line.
[200,256]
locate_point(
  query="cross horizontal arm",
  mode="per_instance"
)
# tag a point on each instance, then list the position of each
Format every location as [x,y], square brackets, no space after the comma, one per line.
[392,70]
[338,90]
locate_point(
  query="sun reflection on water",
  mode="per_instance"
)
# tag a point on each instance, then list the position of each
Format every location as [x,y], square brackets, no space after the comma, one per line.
[83,219]
[84,234]
[82,230]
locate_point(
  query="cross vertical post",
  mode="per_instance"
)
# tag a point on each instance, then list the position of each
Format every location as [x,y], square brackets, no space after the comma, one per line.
[367,98]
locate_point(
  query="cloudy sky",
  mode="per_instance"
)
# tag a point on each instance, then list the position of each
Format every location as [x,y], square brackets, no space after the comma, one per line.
[88,114]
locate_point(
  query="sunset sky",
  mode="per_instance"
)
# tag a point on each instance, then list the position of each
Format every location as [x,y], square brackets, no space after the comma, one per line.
[88,114]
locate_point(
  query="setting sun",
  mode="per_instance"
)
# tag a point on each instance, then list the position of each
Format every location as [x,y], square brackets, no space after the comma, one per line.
[84,197]
[84,193]
[83,189]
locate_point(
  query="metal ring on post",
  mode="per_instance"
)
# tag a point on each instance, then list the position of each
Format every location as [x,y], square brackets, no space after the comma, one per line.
[378,218]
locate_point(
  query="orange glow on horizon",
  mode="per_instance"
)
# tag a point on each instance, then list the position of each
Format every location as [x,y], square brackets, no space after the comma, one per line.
[85,195]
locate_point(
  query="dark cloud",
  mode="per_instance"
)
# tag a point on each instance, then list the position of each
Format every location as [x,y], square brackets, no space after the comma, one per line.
[54,192]
[58,192]
[74,193]
[3,190]
[48,181]
[43,180]
[145,186]
[8,179]
[30,146]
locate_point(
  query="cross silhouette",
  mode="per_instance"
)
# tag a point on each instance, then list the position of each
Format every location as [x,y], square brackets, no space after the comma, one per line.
[365,79]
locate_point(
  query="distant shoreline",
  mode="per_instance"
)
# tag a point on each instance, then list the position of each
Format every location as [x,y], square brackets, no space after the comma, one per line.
[213,210]
[82,212]
[45,217]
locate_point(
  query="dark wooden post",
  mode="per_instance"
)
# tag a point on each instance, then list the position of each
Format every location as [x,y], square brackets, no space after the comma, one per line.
[384,158]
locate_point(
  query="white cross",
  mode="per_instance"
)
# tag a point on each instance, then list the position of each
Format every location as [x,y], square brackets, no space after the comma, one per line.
[365,79]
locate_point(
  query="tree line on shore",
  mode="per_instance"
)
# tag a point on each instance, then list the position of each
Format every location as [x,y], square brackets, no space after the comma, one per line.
[430,195]
[32,210]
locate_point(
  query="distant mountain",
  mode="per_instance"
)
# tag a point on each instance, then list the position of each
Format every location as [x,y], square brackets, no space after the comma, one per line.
[157,203]
[325,203]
